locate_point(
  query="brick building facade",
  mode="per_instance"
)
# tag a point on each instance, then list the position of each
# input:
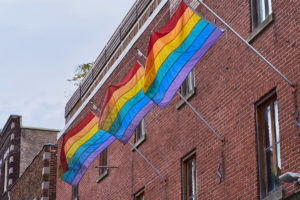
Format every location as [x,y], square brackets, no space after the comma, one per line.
[18,147]
[38,181]
[240,96]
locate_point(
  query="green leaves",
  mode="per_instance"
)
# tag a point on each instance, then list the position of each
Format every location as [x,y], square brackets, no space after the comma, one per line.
[81,72]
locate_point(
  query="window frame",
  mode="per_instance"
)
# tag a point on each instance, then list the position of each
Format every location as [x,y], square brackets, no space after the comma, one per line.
[184,172]
[139,194]
[267,101]
[256,12]
[5,183]
[185,91]
[190,93]
[75,193]
[142,137]
[103,172]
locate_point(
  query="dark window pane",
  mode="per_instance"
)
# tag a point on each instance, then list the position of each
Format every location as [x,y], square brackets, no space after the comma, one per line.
[189,178]
[260,10]
[75,192]
[188,84]
[269,146]
[139,196]
[140,131]
[103,162]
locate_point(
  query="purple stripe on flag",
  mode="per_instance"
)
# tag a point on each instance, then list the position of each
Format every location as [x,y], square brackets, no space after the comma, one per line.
[90,159]
[188,67]
[135,122]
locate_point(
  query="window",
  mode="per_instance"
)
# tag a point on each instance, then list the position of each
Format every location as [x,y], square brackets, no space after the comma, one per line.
[139,195]
[268,144]
[75,193]
[260,9]
[189,177]
[103,170]
[189,84]
[140,132]
[5,175]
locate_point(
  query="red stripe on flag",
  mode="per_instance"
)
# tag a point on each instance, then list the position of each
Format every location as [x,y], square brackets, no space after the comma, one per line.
[113,88]
[169,27]
[70,134]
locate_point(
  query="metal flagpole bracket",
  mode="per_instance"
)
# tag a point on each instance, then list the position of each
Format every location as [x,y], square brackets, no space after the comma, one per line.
[219,173]
[202,119]
[141,54]
[106,167]
[298,123]
[94,106]
[243,40]
[156,170]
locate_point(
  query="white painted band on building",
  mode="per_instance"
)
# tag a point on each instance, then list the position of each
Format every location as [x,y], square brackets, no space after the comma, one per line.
[12,148]
[11,159]
[12,125]
[10,181]
[12,136]
[46,156]
[45,185]
[114,66]
[46,170]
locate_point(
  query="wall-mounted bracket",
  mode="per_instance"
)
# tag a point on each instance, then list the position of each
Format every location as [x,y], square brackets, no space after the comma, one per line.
[219,173]
[297,122]
[106,167]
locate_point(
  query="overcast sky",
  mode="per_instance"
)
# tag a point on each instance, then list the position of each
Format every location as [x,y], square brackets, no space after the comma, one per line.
[41,43]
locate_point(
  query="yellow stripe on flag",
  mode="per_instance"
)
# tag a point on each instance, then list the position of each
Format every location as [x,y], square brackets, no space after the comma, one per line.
[81,141]
[121,101]
[169,48]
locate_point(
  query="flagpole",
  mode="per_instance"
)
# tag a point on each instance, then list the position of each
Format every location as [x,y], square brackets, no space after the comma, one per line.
[156,170]
[202,119]
[243,40]
[185,100]
[94,107]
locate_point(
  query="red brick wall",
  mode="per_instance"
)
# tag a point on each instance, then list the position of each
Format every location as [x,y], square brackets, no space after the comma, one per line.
[29,185]
[229,80]
[53,173]
[32,140]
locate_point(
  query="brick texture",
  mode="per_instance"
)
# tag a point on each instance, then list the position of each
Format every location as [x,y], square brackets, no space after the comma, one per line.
[229,80]
[32,140]
[29,185]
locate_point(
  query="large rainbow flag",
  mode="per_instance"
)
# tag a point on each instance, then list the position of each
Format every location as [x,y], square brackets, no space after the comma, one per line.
[80,146]
[174,51]
[125,105]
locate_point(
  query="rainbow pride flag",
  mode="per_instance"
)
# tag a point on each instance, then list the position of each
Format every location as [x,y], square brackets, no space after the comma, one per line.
[125,105]
[174,51]
[80,146]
